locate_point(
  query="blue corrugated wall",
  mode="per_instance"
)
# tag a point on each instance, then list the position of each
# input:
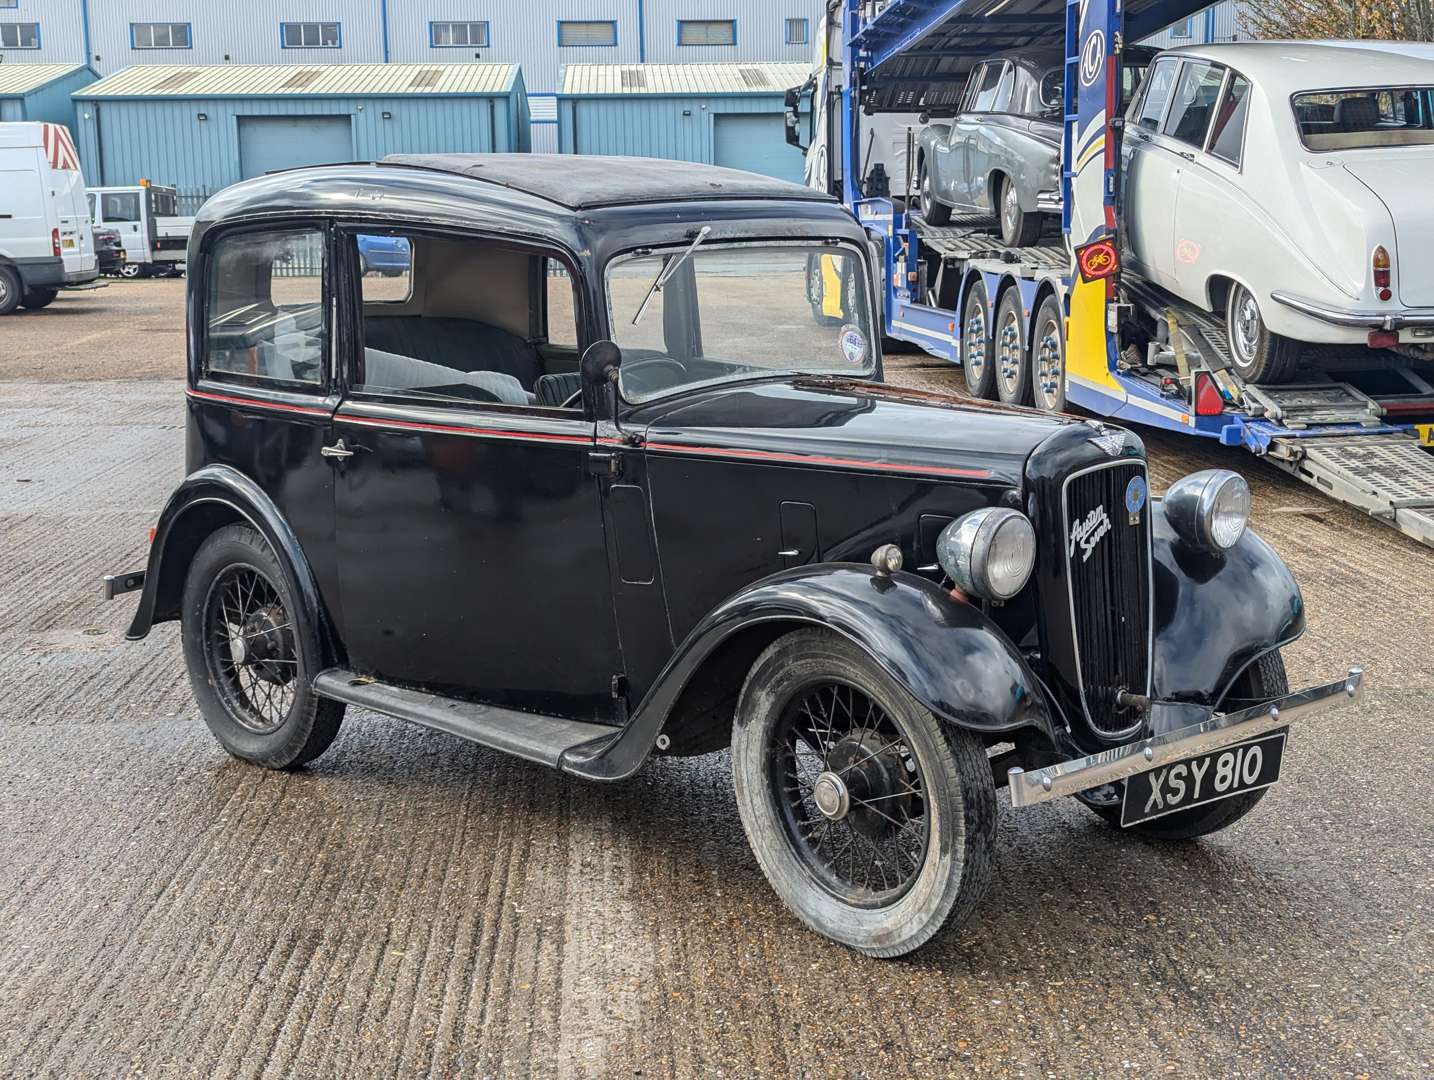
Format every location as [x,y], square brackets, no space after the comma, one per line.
[650,126]
[123,140]
[50,102]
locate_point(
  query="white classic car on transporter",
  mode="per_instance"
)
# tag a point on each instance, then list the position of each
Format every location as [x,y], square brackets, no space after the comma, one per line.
[1290,187]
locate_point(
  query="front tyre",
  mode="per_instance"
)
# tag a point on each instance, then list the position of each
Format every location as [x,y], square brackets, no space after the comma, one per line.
[873,821]
[250,653]
[1262,681]
[1257,354]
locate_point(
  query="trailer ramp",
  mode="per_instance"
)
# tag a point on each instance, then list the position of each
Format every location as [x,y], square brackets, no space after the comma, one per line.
[1389,477]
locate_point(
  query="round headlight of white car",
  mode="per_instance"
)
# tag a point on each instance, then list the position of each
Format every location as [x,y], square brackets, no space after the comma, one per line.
[988,552]
[1209,509]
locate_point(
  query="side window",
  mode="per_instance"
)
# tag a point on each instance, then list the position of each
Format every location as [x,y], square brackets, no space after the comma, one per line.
[464,320]
[265,315]
[973,87]
[1156,93]
[120,205]
[1005,89]
[94,210]
[985,96]
[1227,136]
[1024,100]
[1194,104]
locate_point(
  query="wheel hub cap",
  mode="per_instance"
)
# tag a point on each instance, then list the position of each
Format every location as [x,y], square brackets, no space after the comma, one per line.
[831,796]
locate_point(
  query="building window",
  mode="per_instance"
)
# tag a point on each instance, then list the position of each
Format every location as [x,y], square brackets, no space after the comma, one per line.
[309,35]
[1184,28]
[707,31]
[19,35]
[454,35]
[9,3]
[160,35]
[797,33]
[573,33]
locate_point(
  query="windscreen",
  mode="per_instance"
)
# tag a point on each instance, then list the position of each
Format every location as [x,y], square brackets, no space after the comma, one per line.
[697,316]
[1362,119]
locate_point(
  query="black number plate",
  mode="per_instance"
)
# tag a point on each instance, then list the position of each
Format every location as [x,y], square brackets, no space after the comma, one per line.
[1204,779]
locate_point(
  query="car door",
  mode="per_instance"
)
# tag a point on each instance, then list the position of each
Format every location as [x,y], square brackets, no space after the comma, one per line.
[123,212]
[1210,191]
[952,176]
[984,144]
[469,521]
[1181,141]
[1150,170]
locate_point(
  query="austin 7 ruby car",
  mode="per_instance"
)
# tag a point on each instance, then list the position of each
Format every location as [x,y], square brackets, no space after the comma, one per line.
[582,476]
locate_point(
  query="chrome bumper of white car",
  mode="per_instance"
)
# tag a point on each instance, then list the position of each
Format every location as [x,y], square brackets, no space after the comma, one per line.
[1372,320]
[1049,202]
[1223,729]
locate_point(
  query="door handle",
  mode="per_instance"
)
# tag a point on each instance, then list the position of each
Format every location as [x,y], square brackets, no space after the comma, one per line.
[1186,154]
[338,450]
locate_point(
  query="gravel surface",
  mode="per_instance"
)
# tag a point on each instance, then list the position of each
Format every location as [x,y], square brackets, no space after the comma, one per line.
[413,905]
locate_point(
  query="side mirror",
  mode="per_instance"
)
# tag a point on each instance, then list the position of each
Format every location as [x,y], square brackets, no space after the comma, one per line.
[600,363]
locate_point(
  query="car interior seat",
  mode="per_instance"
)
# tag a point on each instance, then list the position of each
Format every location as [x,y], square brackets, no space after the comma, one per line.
[1356,114]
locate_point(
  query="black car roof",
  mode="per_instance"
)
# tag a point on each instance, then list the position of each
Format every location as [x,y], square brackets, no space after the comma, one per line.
[588,181]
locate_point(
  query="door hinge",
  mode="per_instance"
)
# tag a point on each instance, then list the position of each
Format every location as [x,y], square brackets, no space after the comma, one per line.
[604,463]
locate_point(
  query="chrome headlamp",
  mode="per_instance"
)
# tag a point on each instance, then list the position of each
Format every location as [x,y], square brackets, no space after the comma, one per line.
[1209,509]
[988,552]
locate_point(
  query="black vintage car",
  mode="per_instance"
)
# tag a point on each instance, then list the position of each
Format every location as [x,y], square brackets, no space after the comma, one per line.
[590,480]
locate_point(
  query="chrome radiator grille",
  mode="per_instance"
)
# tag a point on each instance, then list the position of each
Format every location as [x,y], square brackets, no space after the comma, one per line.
[1108,570]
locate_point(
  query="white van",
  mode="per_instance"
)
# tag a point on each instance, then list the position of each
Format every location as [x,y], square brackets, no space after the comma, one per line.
[154,235]
[46,240]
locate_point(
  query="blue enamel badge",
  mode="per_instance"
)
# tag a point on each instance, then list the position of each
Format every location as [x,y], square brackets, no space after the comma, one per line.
[1135,495]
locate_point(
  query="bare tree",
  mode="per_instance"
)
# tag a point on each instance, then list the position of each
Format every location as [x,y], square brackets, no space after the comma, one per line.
[1396,20]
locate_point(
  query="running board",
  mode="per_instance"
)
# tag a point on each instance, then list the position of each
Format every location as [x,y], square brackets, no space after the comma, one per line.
[531,736]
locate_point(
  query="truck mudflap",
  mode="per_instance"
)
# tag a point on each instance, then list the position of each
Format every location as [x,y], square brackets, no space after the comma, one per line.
[1032,786]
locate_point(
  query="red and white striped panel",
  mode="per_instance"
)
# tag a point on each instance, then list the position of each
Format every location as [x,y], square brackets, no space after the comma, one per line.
[60,148]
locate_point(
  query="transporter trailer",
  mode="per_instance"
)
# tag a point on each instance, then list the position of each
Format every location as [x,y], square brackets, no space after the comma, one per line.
[1089,334]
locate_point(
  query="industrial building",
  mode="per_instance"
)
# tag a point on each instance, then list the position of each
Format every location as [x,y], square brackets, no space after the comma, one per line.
[540,36]
[41,91]
[719,114]
[203,127]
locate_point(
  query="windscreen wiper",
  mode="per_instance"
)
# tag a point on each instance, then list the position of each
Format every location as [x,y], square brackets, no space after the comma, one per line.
[665,274]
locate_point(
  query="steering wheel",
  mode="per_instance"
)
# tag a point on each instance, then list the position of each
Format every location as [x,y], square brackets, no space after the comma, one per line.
[676,368]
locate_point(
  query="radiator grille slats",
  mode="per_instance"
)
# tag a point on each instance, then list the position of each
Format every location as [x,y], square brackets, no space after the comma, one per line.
[1110,592]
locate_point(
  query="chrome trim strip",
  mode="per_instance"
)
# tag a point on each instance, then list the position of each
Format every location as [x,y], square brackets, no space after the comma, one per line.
[1150,590]
[1373,320]
[1222,729]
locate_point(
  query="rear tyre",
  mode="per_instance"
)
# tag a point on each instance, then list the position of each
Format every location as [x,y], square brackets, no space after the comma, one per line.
[1048,357]
[933,211]
[1013,362]
[251,650]
[1018,228]
[977,355]
[872,820]
[36,299]
[131,270]
[1257,354]
[1260,682]
[10,290]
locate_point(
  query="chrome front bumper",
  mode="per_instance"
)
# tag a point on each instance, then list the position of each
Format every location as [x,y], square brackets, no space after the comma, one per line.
[1223,729]
[1372,320]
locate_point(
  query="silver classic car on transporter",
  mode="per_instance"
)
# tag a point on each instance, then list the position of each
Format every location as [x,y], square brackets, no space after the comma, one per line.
[1286,186]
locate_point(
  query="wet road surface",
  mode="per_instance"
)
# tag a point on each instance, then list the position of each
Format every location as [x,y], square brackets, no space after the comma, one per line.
[412,905]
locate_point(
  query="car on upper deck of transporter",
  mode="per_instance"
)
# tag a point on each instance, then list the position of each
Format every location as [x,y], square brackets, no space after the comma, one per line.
[1285,185]
[590,480]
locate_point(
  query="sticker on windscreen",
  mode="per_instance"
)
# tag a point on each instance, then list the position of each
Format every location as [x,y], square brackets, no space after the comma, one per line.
[853,344]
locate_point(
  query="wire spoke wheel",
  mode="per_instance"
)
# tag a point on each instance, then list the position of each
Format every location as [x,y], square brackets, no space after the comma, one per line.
[851,793]
[249,648]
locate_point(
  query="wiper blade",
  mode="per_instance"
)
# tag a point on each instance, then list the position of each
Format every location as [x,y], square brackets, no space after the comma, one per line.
[665,274]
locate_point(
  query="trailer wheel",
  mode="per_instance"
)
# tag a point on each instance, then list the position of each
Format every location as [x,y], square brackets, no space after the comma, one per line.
[1013,362]
[1048,356]
[1257,354]
[933,212]
[977,359]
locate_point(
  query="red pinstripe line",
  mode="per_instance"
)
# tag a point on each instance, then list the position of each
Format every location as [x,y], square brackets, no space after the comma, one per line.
[256,403]
[817,459]
[457,429]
